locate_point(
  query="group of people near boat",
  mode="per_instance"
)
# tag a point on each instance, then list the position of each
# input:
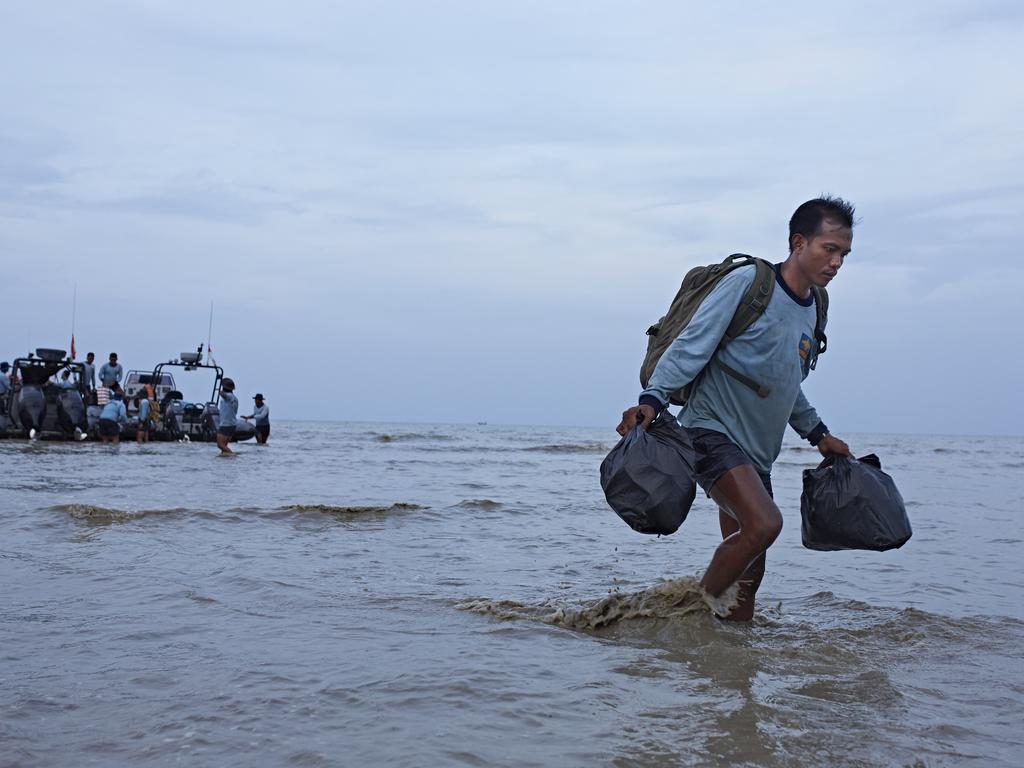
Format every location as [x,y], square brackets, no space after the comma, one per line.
[113,416]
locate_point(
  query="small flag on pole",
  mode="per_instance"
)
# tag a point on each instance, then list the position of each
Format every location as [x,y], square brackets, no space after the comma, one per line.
[72,346]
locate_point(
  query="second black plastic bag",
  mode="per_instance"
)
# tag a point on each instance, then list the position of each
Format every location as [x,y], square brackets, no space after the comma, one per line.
[851,503]
[648,477]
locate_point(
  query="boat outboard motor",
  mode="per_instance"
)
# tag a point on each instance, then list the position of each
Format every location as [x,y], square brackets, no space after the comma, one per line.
[30,407]
[210,419]
[71,411]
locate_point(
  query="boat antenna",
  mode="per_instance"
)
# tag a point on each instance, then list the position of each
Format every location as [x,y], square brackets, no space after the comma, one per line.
[74,308]
[209,336]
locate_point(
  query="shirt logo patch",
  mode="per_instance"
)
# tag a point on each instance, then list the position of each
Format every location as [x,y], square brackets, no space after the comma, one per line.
[805,346]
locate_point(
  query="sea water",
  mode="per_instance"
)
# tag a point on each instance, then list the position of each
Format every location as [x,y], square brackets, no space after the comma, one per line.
[419,595]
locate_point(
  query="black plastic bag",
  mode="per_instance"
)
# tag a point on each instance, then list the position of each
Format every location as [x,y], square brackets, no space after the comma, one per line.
[648,477]
[851,503]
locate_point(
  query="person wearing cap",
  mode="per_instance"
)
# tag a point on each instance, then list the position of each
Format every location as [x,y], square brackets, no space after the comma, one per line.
[227,417]
[113,415]
[261,415]
[111,373]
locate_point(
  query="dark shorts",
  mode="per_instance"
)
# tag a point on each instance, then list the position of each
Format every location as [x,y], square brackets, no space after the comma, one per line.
[108,428]
[227,432]
[263,431]
[715,454]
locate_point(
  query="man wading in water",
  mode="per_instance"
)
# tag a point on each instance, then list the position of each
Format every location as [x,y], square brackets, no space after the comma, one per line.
[226,418]
[736,431]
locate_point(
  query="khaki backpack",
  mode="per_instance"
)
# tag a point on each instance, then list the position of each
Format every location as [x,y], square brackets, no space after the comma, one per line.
[698,283]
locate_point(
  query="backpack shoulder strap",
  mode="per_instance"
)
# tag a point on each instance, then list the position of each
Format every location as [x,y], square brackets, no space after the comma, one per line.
[751,307]
[755,300]
[821,313]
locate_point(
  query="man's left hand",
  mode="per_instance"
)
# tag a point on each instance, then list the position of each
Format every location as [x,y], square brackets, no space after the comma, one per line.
[832,444]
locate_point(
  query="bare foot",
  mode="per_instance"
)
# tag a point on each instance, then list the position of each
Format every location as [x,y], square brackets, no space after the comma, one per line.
[723,605]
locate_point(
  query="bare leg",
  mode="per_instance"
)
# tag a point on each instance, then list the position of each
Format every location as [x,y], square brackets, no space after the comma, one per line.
[740,556]
[222,443]
[749,580]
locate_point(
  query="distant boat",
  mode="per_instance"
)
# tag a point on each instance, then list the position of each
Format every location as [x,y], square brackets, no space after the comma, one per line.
[180,419]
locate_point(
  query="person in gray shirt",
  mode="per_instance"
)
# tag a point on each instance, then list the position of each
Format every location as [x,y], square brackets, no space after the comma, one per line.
[111,373]
[737,432]
[227,416]
[89,376]
[65,381]
[112,417]
[261,415]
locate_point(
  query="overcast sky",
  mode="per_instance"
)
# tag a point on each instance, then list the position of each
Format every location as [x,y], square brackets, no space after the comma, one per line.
[471,211]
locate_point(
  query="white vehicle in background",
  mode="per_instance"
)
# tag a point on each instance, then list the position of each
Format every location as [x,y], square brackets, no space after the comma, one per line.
[135,381]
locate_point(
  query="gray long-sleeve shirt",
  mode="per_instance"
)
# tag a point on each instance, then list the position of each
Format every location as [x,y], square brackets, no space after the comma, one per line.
[110,374]
[228,416]
[115,411]
[775,351]
[261,415]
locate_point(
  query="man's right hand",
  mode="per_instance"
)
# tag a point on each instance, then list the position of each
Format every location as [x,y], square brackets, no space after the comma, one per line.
[631,416]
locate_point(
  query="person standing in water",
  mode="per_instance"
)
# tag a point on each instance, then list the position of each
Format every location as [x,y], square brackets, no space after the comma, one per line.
[261,415]
[226,418]
[737,431]
[112,417]
[144,406]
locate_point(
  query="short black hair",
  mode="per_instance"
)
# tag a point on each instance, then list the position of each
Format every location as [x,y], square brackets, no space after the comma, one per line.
[806,219]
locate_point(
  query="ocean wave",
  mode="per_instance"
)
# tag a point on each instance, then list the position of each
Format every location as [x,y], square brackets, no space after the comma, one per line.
[672,599]
[570,448]
[96,514]
[487,504]
[861,622]
[332,509]
[384,437]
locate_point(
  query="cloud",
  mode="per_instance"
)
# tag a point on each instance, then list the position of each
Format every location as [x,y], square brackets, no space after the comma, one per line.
[987,285]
